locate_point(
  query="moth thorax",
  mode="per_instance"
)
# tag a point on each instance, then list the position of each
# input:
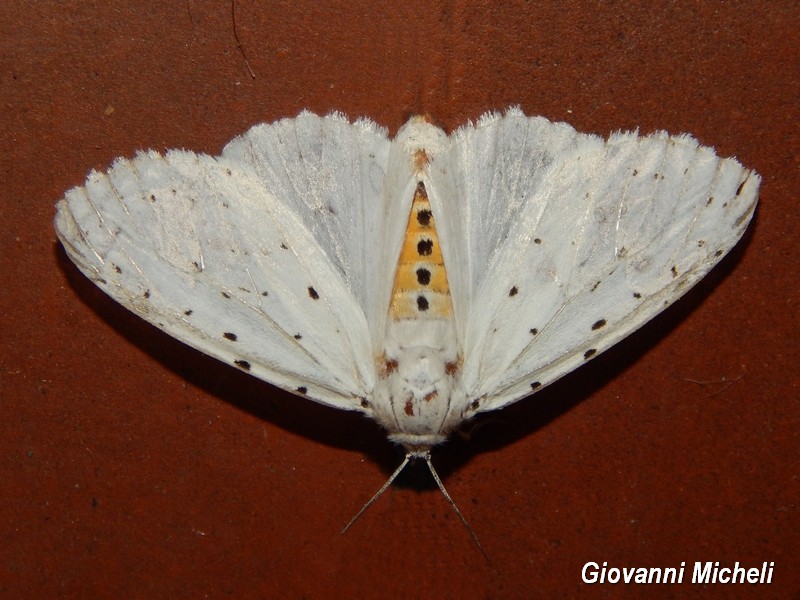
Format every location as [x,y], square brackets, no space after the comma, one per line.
[420,376]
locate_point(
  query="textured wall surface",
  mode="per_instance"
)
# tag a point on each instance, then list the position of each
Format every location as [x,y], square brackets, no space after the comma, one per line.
[134,467]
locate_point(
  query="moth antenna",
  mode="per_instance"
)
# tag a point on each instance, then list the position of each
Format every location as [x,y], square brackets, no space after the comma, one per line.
[455,510]
[380,492]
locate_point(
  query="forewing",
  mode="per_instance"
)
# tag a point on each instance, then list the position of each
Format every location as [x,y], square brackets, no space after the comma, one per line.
[214,254]
[574,242]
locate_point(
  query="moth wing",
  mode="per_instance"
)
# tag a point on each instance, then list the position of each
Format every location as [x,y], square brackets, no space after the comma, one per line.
[348,185]
[571,242]
[227,261]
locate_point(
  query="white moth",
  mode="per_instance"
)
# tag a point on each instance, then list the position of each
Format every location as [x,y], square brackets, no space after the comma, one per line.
[420,280]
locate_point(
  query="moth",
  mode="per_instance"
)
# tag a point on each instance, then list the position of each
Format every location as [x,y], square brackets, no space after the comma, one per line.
[419,280]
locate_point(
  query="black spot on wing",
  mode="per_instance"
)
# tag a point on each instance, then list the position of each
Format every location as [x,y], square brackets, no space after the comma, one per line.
[242,364]
[598,324]
[425,247]
[513,291]
[297,336]
[536,385]
[742,218]
[188,312]
[637,295]
[230,336]
[534,331]
[313,293]
[302,390]
[422,303]
[589,353]
[226,295]
[147,293]
[424,218]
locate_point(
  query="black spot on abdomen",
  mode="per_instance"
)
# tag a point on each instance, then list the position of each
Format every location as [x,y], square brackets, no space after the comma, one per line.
[423,276]
[424,218]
